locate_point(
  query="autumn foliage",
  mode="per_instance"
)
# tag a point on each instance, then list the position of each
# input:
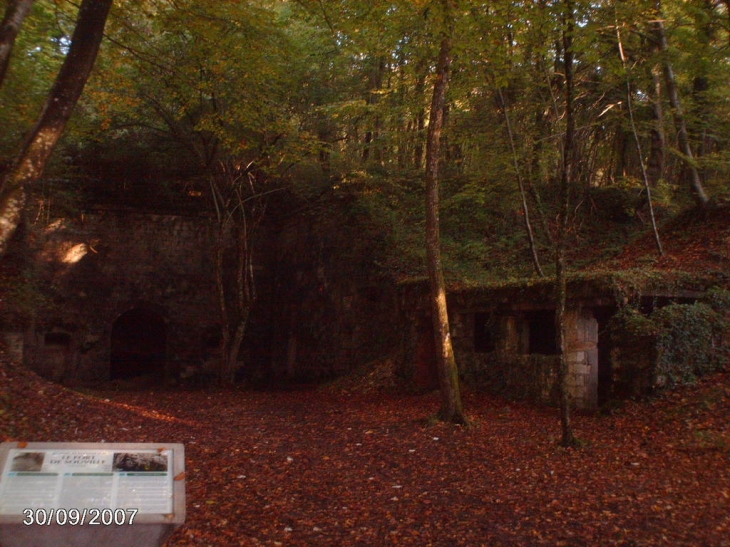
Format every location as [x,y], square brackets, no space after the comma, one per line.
[344,466]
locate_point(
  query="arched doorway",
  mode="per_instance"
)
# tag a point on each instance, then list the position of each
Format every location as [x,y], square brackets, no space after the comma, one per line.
[138,345]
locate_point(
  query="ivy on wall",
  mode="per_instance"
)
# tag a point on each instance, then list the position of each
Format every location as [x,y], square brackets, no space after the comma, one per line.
[688,342]
[674,345]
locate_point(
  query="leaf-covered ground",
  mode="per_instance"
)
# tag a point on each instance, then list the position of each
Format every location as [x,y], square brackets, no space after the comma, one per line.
[343,467]
[695,241]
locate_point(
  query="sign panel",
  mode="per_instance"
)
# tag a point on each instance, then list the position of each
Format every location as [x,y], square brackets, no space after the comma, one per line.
[35,478]
[91,485]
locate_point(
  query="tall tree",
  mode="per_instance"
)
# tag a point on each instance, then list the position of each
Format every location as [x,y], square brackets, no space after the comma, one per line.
[51,124]
[451,406]
[15,13]
[637,142]
[660,35]
[657,137]
[566,176]
[521,185]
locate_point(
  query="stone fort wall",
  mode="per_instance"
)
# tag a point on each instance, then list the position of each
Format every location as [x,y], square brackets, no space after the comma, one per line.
[129,290]
[123,285]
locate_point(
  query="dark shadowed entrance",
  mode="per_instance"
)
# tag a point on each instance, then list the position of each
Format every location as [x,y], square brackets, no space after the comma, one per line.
[138,345]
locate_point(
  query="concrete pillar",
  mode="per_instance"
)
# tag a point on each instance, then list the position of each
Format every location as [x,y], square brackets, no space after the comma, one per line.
[582,356]
[509,341]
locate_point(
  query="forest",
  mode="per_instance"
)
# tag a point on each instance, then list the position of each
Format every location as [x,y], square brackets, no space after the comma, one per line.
[302,102]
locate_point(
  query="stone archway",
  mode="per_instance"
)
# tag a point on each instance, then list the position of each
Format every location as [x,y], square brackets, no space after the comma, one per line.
[138,345]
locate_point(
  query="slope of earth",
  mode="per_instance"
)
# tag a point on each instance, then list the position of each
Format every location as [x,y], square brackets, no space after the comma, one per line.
[339,467]
[695,241]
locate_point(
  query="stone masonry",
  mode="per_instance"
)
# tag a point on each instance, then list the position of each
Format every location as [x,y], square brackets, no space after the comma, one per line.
[97,268]
[582,357]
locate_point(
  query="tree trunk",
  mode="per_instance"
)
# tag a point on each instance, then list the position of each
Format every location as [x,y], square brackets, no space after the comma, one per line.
[59,105]
[568,439]
[521,185]
[655,164]
[637,142]
[707,32]
[220,284]
[696,187]
[235,311]
[420,124]
[12,21]
[375,81]
[451,407]
[239,211]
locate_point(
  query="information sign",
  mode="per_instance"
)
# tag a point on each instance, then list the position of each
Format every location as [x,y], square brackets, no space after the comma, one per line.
[85,490]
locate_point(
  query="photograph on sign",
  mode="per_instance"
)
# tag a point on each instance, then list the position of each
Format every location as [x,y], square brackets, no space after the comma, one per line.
[27,461]
[136,461]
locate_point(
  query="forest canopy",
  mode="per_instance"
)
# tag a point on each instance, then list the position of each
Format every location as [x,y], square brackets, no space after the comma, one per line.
[320,101]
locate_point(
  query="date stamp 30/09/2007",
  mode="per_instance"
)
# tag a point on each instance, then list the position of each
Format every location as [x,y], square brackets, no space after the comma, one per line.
[79,517]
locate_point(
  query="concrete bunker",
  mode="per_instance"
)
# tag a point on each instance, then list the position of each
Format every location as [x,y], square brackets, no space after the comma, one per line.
[504,337]
[138,345]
